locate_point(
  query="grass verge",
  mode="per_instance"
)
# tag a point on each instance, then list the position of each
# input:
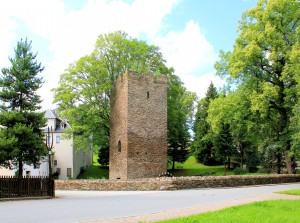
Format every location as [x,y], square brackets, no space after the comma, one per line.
[291,192]
[287,211]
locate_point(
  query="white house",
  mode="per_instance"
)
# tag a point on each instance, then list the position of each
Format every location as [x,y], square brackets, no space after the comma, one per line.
[66,162]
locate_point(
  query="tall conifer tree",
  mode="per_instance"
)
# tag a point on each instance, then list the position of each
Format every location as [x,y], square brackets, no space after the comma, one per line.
[21,134]
[202,145]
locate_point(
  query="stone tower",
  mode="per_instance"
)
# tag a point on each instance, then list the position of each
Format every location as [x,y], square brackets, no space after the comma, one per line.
[138,127]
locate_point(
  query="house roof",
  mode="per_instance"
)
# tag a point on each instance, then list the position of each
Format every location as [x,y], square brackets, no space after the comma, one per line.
[51,114]
[61,125]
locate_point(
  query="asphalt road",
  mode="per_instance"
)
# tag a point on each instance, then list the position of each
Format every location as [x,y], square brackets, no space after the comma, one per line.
[82,206]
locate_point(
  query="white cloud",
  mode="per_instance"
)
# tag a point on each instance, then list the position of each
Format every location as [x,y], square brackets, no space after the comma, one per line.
[190,53]
[7,35]
[72,33]
[187,51]
[199,84]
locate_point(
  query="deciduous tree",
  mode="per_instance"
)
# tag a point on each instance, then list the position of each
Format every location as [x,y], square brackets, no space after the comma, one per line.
[261,60]
[180,112]
[234,109]
[84,90]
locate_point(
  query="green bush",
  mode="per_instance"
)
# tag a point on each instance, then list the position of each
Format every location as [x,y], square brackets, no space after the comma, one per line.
[265,170]
[103,156]
[239,171]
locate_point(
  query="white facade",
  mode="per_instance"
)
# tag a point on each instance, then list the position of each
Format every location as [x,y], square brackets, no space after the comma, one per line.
[66,162]
[6,172]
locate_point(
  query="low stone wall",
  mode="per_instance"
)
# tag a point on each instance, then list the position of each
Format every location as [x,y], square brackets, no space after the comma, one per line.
[174,183]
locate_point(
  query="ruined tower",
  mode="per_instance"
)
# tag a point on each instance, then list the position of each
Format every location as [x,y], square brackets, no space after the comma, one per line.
[138,127]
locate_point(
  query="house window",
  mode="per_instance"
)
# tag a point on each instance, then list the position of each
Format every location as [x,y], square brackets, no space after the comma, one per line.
[55,162]
[119,146]
[57,139]
[69,172]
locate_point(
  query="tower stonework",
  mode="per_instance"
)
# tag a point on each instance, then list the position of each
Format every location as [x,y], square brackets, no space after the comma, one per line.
[138,127]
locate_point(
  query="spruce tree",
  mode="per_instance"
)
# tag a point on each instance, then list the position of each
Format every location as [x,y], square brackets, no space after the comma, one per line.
[22,140]
[202,144]
[223,145]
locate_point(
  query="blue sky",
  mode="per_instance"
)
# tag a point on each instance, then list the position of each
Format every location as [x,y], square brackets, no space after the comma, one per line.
[190,33]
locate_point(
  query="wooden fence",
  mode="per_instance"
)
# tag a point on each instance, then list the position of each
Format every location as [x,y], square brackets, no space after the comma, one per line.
[21,187]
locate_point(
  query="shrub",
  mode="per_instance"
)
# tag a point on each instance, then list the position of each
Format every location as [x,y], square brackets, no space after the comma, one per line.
[239,171]
[253,169]
[265,170]
[103,156]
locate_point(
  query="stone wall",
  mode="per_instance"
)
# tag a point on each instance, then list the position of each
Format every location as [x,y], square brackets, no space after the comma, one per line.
[174,183]
[139,122]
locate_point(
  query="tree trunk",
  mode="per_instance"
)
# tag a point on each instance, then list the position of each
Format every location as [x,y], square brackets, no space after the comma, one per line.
[279,163]
[225,168]
[173,164]
[173,157]
[242,156]
[289,163]
[20,168]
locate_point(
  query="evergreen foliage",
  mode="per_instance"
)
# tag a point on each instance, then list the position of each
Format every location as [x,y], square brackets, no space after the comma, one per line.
[103,156]
[202,145]
[21,132]
[223,145]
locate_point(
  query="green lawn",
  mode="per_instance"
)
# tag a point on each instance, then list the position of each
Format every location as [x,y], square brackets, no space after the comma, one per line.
[189,168]
[291,192]
[95,171]
[277,211]
[192,168]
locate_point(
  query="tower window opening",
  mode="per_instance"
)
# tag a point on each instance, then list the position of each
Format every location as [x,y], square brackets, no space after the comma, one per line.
[119,146]
[148,94]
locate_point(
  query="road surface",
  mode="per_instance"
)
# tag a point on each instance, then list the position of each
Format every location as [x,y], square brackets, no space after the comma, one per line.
[87,206]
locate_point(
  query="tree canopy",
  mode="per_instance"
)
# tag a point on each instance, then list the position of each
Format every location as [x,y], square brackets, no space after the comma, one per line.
[262,62]
[180,115]
[84,90]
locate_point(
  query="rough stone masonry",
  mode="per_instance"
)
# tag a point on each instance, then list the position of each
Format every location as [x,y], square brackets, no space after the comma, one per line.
[138,127]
